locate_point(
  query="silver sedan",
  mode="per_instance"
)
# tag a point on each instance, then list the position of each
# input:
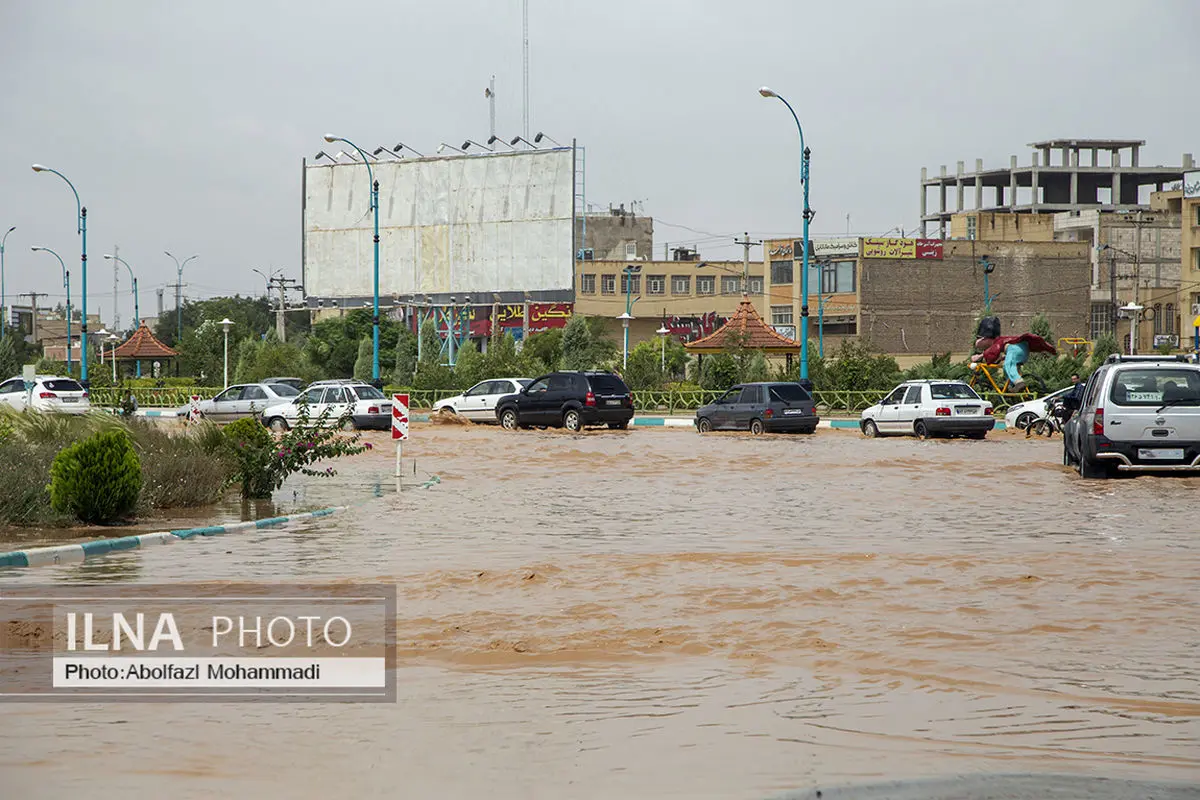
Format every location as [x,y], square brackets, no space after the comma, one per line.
[243,400]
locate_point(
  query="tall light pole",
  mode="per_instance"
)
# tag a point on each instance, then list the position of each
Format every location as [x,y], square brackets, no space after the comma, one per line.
[808,214]
[3,296]
[663,331]
[628,272]
[112,354]
[81,228]
[225,323]
[137,311]
[178,310]
[329,137]
[67,283]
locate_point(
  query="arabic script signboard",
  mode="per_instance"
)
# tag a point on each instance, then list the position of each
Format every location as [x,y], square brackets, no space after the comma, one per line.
[1191,184]
[903,248]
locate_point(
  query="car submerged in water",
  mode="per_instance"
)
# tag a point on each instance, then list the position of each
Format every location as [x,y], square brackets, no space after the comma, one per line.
[771,407]
[928,408]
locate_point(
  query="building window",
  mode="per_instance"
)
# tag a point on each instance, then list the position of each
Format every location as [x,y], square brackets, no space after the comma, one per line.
[656,284]
[1172,320]
[1196,257]
[681,284]
[837,277]
[631,284]
[756,285]
[731,285]
[781,271]
[706,284]
[1159,322]
[781,315]
[587,283]
[630,251]
[608,284]
[1197,222]
[1101,320]
[971,226]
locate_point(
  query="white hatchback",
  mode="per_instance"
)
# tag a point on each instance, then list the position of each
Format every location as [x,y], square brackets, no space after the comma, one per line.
[478,403]
[930,408]
[49,393]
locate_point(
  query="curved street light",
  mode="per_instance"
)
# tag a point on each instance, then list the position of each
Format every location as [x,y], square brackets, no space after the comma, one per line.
[137,311]
[329,137]
[178,311]
[3,296]
[67,283]
[808,214]
[81,229]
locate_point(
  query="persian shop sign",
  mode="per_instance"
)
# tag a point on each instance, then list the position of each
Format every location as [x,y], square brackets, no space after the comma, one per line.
[1191,184]
[542,317]
[834,247]
[902,248]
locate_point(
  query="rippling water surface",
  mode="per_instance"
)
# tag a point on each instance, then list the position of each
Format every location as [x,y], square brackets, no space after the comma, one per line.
[659,614]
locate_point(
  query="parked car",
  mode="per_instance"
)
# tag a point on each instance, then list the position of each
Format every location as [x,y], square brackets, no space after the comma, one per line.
[479,402]
[49,393]
[1021,415]
[366,407]
[243,400]
[296,383]
[1138,414]
[760,408]
[930,408]
[571,400]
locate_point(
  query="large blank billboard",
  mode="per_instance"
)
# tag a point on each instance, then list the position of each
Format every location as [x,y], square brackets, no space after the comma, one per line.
[487,223]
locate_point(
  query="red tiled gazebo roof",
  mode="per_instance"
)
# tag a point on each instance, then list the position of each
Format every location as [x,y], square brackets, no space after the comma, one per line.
[143,345]
[744,328]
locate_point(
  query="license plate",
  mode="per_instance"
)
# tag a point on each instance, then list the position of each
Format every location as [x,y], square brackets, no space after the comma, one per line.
[68,399]
[793,412]
[614,402]
[967,410]
[383,409]
[1170,454]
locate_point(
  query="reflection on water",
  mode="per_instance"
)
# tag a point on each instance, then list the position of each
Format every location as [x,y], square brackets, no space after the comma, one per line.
[658,614]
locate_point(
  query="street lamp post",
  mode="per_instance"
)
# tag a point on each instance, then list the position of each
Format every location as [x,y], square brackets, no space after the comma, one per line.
[100,334]
[225,323]
[663,331]
[82,230]
[821,324]
[628,272]
[67,283]
[808,215]
[329,137]
[178,311]
[112,354]
[137,311]
[3,296]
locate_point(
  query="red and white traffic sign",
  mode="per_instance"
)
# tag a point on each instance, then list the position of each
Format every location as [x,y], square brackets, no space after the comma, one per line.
[400,417]
[194,411]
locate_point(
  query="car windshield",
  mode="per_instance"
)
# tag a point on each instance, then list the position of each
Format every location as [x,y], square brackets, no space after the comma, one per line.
[952,391]
[790,393]
[524,382]
[283,390]
[1156,386]
[368,393]
[64,385]
[607,384]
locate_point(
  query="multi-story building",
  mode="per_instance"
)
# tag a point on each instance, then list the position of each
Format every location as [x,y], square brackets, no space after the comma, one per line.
[1090,174]
[614,235]
[691,298]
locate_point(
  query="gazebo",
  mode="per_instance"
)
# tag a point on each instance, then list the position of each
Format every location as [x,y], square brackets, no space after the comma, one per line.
[745,329]
[142,346]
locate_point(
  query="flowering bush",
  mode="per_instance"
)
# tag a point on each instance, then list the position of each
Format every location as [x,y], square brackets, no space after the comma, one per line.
[265,462]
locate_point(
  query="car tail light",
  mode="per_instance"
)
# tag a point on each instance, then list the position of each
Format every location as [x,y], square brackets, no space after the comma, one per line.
[372,409]
[943,412]
[590,400]
[85,394]
[629,400]
[1098,423]
[987,411]
[47,395]
[769,414]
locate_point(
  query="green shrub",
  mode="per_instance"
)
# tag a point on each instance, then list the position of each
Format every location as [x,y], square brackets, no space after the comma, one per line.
[263,463]
[24,493]
[181,470]
[97,479]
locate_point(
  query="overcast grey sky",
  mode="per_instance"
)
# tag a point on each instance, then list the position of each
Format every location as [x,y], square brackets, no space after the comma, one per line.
[183,123]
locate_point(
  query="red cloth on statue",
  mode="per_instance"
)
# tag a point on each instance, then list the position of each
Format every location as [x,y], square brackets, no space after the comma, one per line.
[994,353]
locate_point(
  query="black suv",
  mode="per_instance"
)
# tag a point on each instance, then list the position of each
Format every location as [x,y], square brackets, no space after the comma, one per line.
[571,400]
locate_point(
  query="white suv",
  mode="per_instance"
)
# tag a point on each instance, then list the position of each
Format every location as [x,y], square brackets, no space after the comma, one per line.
[1138,414]
[930,408]
[364,405]
[50,393]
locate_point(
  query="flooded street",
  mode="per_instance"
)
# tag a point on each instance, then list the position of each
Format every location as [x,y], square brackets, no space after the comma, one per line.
[653,613]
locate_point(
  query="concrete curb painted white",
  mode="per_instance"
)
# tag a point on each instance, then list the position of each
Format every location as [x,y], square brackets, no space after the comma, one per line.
[76,553]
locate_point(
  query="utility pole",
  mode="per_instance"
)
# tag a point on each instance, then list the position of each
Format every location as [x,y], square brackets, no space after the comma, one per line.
[33,296]
[277,280]
[1112,290]
[116,314]
[745,243]
[159,292]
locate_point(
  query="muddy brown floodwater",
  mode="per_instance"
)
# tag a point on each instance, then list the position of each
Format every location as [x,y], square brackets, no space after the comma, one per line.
[653,614]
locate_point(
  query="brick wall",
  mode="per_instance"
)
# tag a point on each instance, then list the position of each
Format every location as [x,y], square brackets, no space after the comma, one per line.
[929,306]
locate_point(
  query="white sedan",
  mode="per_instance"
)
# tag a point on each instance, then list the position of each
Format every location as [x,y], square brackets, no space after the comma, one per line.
[478,403]
[1021,415]
[243,400]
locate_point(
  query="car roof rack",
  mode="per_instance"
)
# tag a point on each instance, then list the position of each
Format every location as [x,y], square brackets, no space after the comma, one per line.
[1179,358]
